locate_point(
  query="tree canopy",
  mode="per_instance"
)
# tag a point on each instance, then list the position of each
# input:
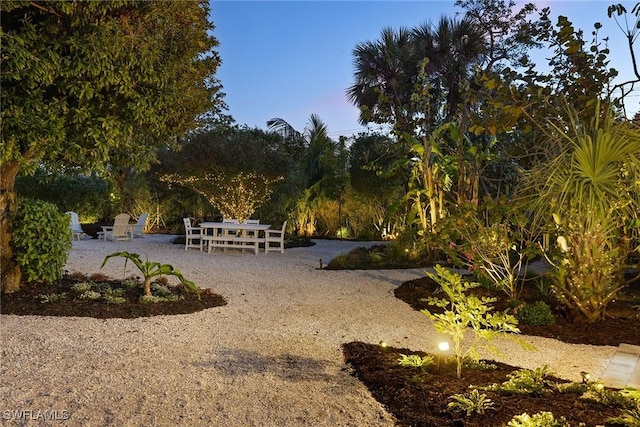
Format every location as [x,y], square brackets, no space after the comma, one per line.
[89,84]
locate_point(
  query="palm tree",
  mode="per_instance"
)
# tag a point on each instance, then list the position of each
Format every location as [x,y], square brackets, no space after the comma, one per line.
[385,71]
[317,144]
[417,80]
[317,167]
[591,189]
[455,48]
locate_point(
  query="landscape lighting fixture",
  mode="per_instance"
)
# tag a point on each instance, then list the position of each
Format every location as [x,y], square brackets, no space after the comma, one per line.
[443,346]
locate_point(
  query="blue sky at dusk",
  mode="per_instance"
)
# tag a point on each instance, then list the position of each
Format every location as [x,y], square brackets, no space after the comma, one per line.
[290,59]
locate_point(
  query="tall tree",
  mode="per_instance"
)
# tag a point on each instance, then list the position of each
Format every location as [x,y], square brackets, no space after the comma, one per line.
[385,71]
[417,80]
[86,82]
[318,146]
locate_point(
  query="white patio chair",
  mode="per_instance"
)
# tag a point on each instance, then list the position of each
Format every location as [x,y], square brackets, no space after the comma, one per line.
[275,236]
[192,234]
[138,228]
[74,225]
[120,230]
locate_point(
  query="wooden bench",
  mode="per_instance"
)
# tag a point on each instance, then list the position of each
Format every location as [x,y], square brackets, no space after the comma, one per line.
[232,241]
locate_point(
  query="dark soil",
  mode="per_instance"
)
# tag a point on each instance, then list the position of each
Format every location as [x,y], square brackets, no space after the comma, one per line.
[418,398]
[620,325]
[30,300]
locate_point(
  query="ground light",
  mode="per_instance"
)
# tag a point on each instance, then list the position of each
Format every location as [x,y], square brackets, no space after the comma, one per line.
[443,346]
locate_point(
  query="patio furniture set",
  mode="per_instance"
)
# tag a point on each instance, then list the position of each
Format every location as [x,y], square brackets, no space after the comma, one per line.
[207,236]
[120,230]
[231,234]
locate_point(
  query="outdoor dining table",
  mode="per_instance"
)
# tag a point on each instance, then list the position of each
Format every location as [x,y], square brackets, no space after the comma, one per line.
[231,235]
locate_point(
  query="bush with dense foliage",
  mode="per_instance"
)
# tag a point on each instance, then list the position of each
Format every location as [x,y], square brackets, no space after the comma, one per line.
[536,314]
[41,240]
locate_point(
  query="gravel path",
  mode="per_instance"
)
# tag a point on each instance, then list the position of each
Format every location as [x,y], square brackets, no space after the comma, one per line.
[271,357]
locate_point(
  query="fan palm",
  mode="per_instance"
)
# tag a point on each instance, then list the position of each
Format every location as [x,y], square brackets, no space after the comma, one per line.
[384,77]
[591,188]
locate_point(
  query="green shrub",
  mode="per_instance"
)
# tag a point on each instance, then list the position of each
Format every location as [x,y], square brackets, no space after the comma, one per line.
[41,240]
[537,314]
[463,311]
[628,417]
[541,419]
[525,381]
[416,361]
[470,402]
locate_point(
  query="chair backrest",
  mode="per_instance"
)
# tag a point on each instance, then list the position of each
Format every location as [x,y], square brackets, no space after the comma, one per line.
[187,222]
[230,221]
[284,228]
[121,225]
[142,221]
[252,221]
[74,222]
[188,228]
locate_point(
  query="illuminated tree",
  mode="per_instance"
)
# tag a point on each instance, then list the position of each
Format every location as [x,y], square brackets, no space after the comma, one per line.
[235,196]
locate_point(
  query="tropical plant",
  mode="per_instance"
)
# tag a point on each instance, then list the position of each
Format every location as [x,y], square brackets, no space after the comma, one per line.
[304,214]
[41,240]
[416,361]
[90,295]
[470,402]
[590,192]
[498,251]
[525,381]
[323,172]
[598,392]
[96,86]
[628,417]
[541,419]
[319,149]
[150,270]
[418,79]
[462,311]
[631,415]
[82,286]
[50,298]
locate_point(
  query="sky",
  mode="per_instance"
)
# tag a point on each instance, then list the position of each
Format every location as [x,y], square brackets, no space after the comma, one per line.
[291,59]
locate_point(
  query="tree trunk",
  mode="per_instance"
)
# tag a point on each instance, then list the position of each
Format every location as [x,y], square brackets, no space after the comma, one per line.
[429,182]
[147,287]
[121,182]
[10,272]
